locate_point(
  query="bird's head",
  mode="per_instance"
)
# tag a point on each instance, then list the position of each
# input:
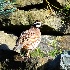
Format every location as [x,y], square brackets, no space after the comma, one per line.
[37,24]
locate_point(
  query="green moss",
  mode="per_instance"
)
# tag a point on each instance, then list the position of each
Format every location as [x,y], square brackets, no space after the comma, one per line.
[4,11]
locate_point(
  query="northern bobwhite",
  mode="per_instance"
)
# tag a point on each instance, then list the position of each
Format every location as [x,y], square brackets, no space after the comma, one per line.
[29,39]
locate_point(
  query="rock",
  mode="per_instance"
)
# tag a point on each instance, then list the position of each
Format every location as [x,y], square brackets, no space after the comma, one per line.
[47,17]
[48,43]
[28,17]
[19,18]
[29,2]
[45,44]
[7,41]
[64,2]
[65,58]
[41,15]
[64,42]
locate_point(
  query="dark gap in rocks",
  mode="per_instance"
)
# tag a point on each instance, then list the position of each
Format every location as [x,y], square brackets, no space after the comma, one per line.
[55,4]
[16,30]
[6,53]
[8,61]
[28,7]
[65,14]
[14,65]
[52,5]
[64,27]
[52,64]
[46,30]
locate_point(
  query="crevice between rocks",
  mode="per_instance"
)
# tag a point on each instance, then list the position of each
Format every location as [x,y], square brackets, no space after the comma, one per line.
[54,4]
[28,7]
[17,29]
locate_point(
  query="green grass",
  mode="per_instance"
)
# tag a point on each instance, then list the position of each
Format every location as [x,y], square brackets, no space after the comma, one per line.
[37,53]
[56,51]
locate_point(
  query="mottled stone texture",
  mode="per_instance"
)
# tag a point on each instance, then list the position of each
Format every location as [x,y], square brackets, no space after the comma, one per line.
[28,2]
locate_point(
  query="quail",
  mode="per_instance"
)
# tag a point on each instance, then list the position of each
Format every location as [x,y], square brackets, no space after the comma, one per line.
[29,39]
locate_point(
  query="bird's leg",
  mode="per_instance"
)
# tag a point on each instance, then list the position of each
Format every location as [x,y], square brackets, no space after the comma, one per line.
[28,54]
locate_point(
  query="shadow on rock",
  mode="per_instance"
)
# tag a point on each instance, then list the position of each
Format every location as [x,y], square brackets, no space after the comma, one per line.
[7,58]
[8,62]
[51,64]
[6,53]
[4,47]
[16,30]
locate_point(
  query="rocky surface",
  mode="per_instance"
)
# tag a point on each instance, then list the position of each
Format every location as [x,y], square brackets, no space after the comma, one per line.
[48,43]
[47,17]
[64,42]
[8,40]
[28,17]
[19,18]
[59,22]
[23,3]
[64,2]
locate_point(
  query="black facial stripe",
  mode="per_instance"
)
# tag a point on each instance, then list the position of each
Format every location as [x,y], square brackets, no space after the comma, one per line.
[38,24]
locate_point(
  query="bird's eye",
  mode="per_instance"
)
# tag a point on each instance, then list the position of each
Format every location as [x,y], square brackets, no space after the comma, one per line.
[33,33]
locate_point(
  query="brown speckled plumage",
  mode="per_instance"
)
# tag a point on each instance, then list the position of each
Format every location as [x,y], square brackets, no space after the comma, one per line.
[29,39]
